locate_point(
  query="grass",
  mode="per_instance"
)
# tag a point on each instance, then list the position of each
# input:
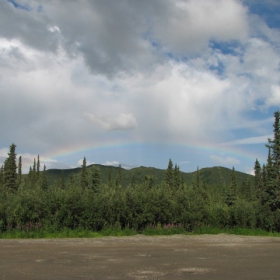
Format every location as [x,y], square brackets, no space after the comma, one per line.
[235,230]
[65,233]
[115,231]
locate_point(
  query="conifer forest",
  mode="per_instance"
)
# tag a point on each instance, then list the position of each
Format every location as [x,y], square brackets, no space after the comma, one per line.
[84,201]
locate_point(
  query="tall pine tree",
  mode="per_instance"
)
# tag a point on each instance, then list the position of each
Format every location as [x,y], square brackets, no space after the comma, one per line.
[169,174]
[95,178]
[272,187]
[258,183]
[84,177]
[10,170]
[19,170]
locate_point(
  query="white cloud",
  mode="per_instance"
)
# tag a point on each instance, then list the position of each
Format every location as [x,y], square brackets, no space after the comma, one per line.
[225,160]
[111,163]
[119,122]
[129,63]
[4,152]
[249,170]
[191,24]
[274,98]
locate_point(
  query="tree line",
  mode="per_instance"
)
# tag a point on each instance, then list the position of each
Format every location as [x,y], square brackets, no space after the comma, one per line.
[83,201]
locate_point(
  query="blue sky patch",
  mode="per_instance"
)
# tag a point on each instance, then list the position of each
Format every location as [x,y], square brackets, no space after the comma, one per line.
[19,6]
[233,47]
[267,10]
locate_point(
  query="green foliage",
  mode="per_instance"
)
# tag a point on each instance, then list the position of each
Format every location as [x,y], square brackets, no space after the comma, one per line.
[95,179]
[19,170]
[44,179]
[119,177]
[215,176]
[10,170]
[169,174]
[1,178]
[145,200]
[258,182]
[272,187]
[83,176]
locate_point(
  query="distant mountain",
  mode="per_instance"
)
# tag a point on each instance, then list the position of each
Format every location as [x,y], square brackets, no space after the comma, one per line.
[211,176]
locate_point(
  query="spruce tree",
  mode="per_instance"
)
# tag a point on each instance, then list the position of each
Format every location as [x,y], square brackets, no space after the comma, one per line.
[258,182]
[10,170]
[19,170]
[119,177]
[272,188]
[44,180]
[169,174]
[176,175]
[197,181]
[30,175]
[38,168]
[61,181]
[264,184]
[1,175]
[148,181]
[233,181]
[95,178]
[230,192]
[34,173]
[84,178]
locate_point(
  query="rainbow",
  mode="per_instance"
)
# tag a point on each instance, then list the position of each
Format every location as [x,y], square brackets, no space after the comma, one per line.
[221,149]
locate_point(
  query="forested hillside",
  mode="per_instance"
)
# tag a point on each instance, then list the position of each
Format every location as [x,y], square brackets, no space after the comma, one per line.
[98,197]
[210,176]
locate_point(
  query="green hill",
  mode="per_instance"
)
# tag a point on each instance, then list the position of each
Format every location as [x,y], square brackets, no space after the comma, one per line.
[211,176]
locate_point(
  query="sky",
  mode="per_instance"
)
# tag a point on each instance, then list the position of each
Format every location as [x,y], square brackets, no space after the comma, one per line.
[138,83]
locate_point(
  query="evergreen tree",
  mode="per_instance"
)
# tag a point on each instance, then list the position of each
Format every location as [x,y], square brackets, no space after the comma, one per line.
[233,181]
[95,178]
[182,178]
[109,178]
[272,188]
[38,168]
[72,179]
[84,178]
[197,181]
[34,174]
[2,176]
[230,191]
[10,170]
[169,174]
[176,175]
[258,180]
[44,180]
[264,184]
[61,181]
[148,181]
[30,175]
[247,190]
[19,170]
[119,177]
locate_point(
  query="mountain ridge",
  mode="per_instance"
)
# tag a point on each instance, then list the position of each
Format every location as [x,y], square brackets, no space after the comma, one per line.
[216,175]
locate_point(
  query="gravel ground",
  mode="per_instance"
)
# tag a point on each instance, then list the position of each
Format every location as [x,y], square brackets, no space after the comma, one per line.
[142,257]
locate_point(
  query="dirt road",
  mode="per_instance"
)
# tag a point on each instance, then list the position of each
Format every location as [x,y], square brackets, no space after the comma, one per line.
[141,257]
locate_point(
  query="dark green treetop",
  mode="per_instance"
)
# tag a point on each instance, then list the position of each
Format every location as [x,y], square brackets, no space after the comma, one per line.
[169,174]
[10,170]
[84,178]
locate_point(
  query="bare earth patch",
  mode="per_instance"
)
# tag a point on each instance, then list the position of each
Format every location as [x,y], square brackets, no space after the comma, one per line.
[142,257]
